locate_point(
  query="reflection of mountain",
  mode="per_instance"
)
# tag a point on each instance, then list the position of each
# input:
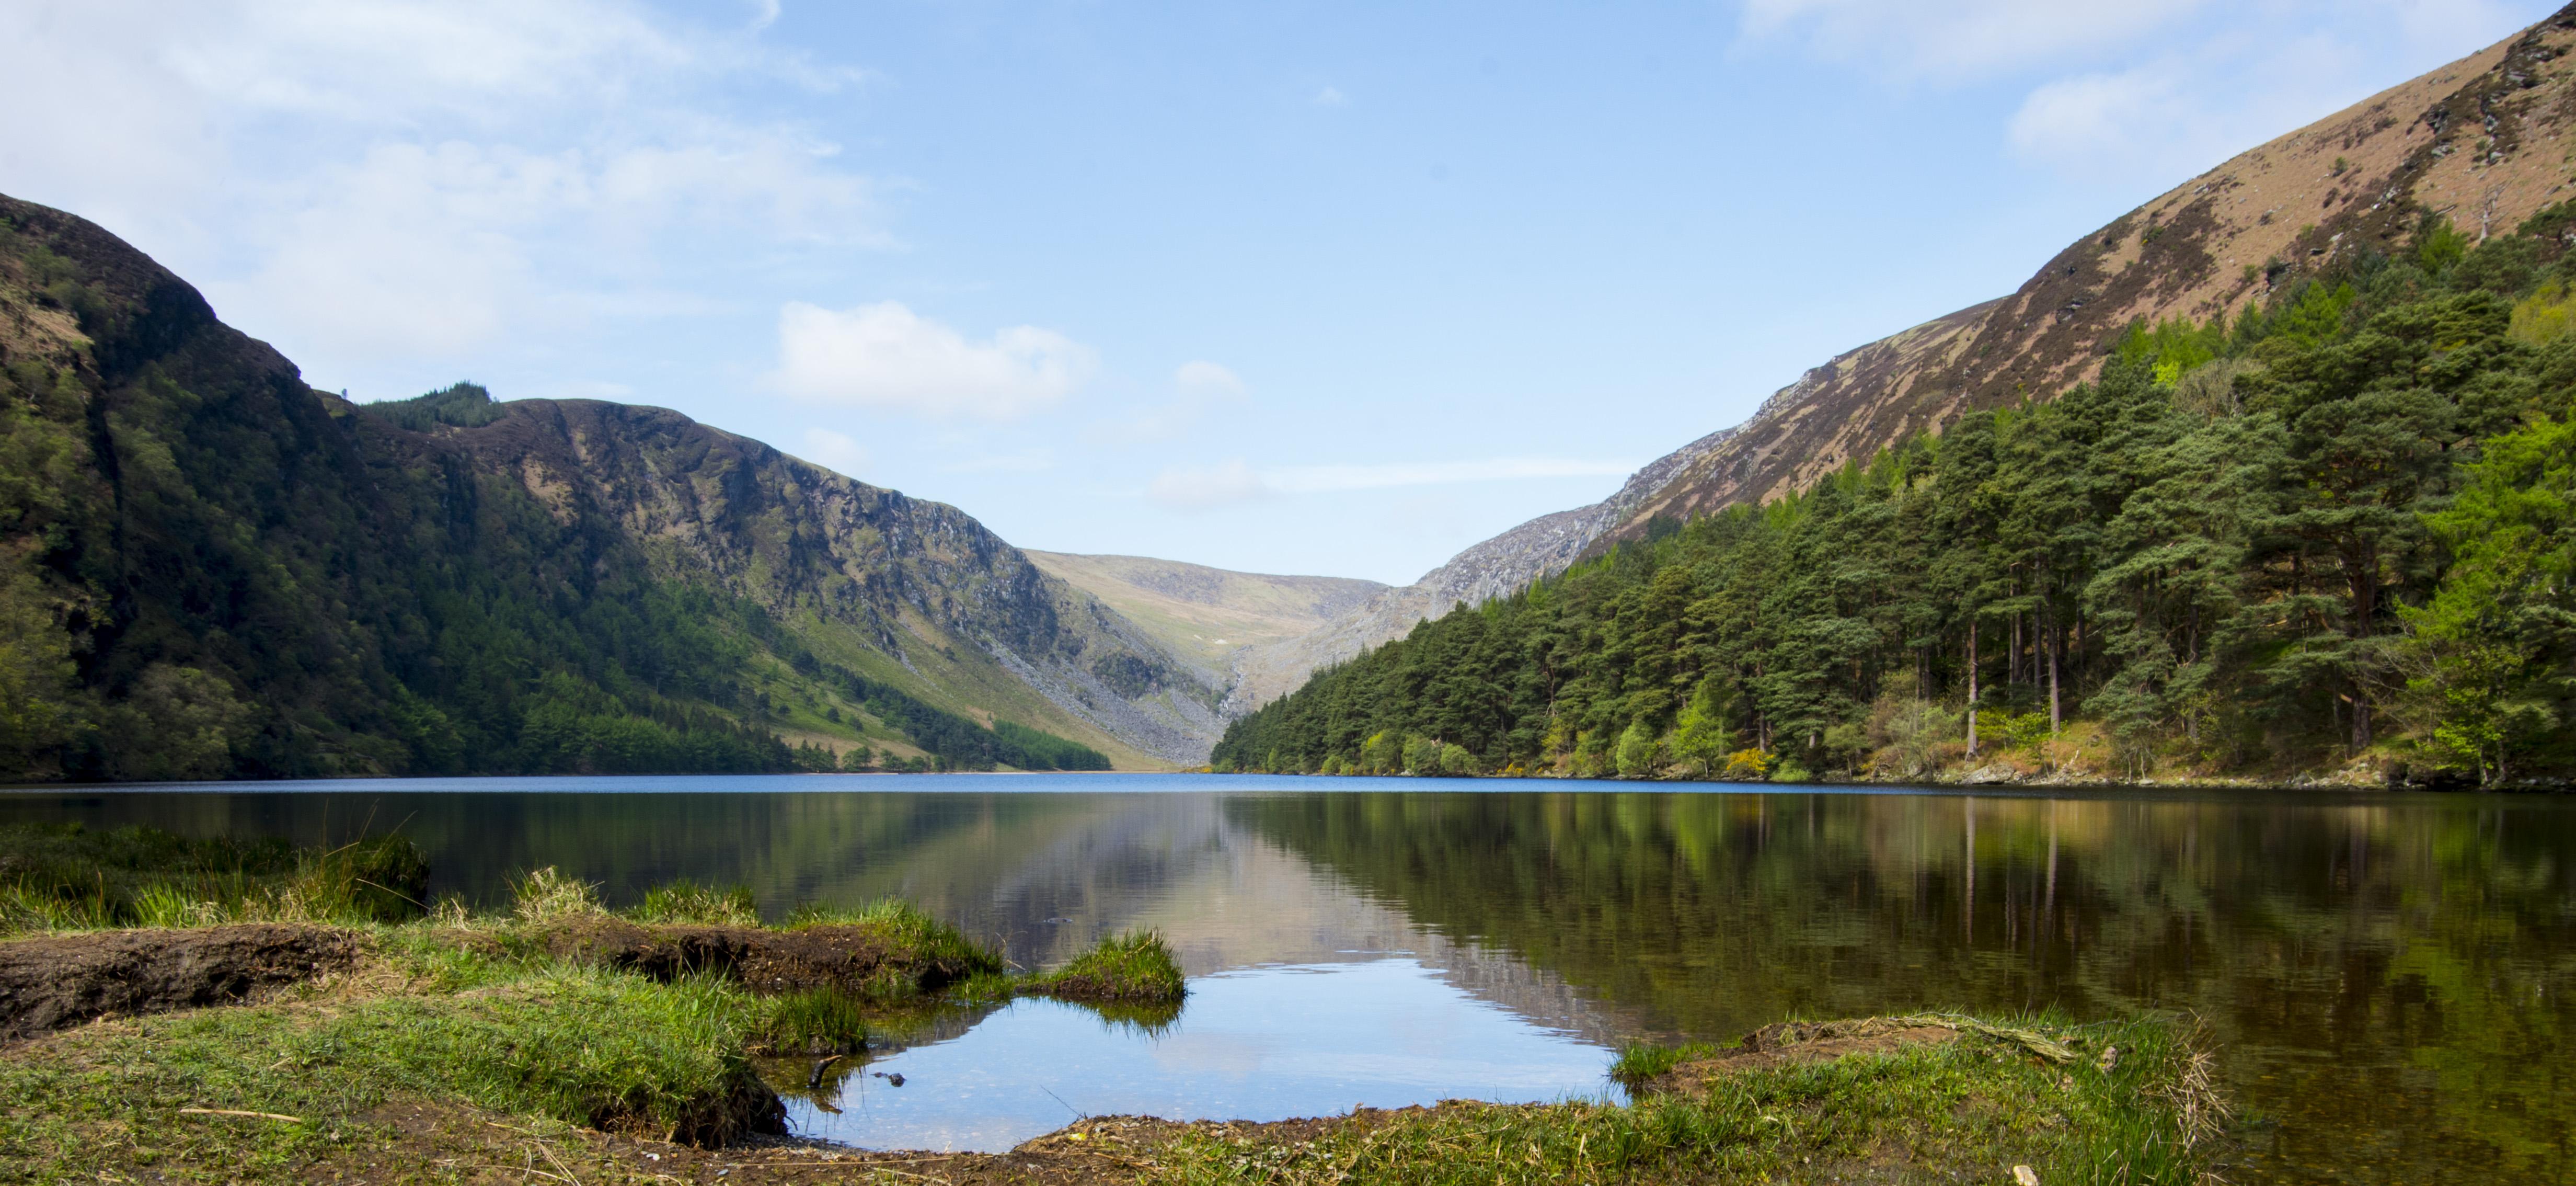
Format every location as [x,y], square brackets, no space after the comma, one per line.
[1043,876]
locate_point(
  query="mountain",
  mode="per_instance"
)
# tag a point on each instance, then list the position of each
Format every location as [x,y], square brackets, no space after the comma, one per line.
[1215,617]
[2481,141]
[1541,547]
[2328,536]
[210,569]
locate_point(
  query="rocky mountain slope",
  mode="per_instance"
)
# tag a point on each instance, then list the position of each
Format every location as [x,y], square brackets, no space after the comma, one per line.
[2482,141]
[210,569]
[906,590]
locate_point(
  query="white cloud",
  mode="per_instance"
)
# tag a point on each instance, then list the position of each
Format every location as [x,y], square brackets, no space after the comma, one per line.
[2168,119]
[1202,487]
[1198,388]
[394,180]
[1204,380]
[887,357]
[1951,40]
[837,451]
[1329,97]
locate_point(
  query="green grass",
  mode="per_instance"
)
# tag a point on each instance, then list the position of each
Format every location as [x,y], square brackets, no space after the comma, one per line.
[1969,1110]
[819,1021]
[903,925]
[572,1045]
[1641,1062]
[686,901]
[66,877]
[1133,968]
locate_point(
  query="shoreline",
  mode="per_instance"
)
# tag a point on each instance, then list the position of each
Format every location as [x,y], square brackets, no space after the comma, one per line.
[237,1010]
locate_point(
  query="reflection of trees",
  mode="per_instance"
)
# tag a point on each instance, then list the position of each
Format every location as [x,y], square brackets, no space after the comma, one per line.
[2392,978]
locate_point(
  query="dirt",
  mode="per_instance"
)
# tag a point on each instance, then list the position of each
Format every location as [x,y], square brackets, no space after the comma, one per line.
[50,983]
[849,958]
[1792,1043]
[1090,1152]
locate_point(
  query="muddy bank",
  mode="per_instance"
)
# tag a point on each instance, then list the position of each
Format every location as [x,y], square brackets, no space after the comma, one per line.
[63,980]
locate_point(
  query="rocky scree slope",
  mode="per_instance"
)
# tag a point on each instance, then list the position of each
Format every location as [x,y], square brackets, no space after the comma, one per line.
[209,569]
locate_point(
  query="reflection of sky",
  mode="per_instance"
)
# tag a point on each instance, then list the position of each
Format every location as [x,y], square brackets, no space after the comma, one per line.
[1255,1044]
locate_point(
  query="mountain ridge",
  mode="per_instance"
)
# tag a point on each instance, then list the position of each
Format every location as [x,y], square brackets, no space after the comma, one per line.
[210,569]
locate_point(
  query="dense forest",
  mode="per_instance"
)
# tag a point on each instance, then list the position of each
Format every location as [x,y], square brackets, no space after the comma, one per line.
[209,570]
[2329,533]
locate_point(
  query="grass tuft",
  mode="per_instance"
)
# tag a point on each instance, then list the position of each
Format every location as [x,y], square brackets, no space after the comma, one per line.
[1135,967]
[548,895]
[820,1021]
[904,926]
[686,901]
[1640,1063]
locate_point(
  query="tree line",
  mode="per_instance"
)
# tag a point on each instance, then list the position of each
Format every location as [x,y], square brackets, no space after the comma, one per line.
[2333,527]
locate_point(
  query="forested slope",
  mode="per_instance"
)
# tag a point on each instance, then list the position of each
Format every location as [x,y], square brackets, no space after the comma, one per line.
[2332,531]
[208,569]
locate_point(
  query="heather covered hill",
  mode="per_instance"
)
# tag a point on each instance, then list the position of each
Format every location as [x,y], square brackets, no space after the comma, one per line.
[209,569]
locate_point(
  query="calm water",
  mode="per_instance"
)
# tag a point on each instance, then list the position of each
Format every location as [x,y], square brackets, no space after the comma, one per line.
[2391,976]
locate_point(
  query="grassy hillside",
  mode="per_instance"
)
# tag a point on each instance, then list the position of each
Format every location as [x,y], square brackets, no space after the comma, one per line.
[1208,614]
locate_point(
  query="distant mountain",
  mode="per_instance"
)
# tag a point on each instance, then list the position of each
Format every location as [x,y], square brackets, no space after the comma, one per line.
[2482,141]
[1218,618]
[1541,547]
[209,569]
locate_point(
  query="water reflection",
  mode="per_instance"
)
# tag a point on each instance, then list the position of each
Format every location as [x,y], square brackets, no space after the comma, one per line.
[2391,975]
[1254,1044]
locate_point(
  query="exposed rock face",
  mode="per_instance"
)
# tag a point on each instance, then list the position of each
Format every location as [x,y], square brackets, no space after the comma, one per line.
[2481,141]
[1506,563]
[908,575]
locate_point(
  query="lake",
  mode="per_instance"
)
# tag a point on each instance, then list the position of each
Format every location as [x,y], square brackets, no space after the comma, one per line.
[2391,978]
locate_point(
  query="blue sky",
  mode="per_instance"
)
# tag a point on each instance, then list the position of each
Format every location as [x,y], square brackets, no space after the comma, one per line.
[1289,287]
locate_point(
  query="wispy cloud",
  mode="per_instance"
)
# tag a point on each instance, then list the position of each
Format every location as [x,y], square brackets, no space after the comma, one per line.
[458,167]
[1953,40]
[887,357]
[1236,481]
[837,451]
[1198,388]
[1330,96]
